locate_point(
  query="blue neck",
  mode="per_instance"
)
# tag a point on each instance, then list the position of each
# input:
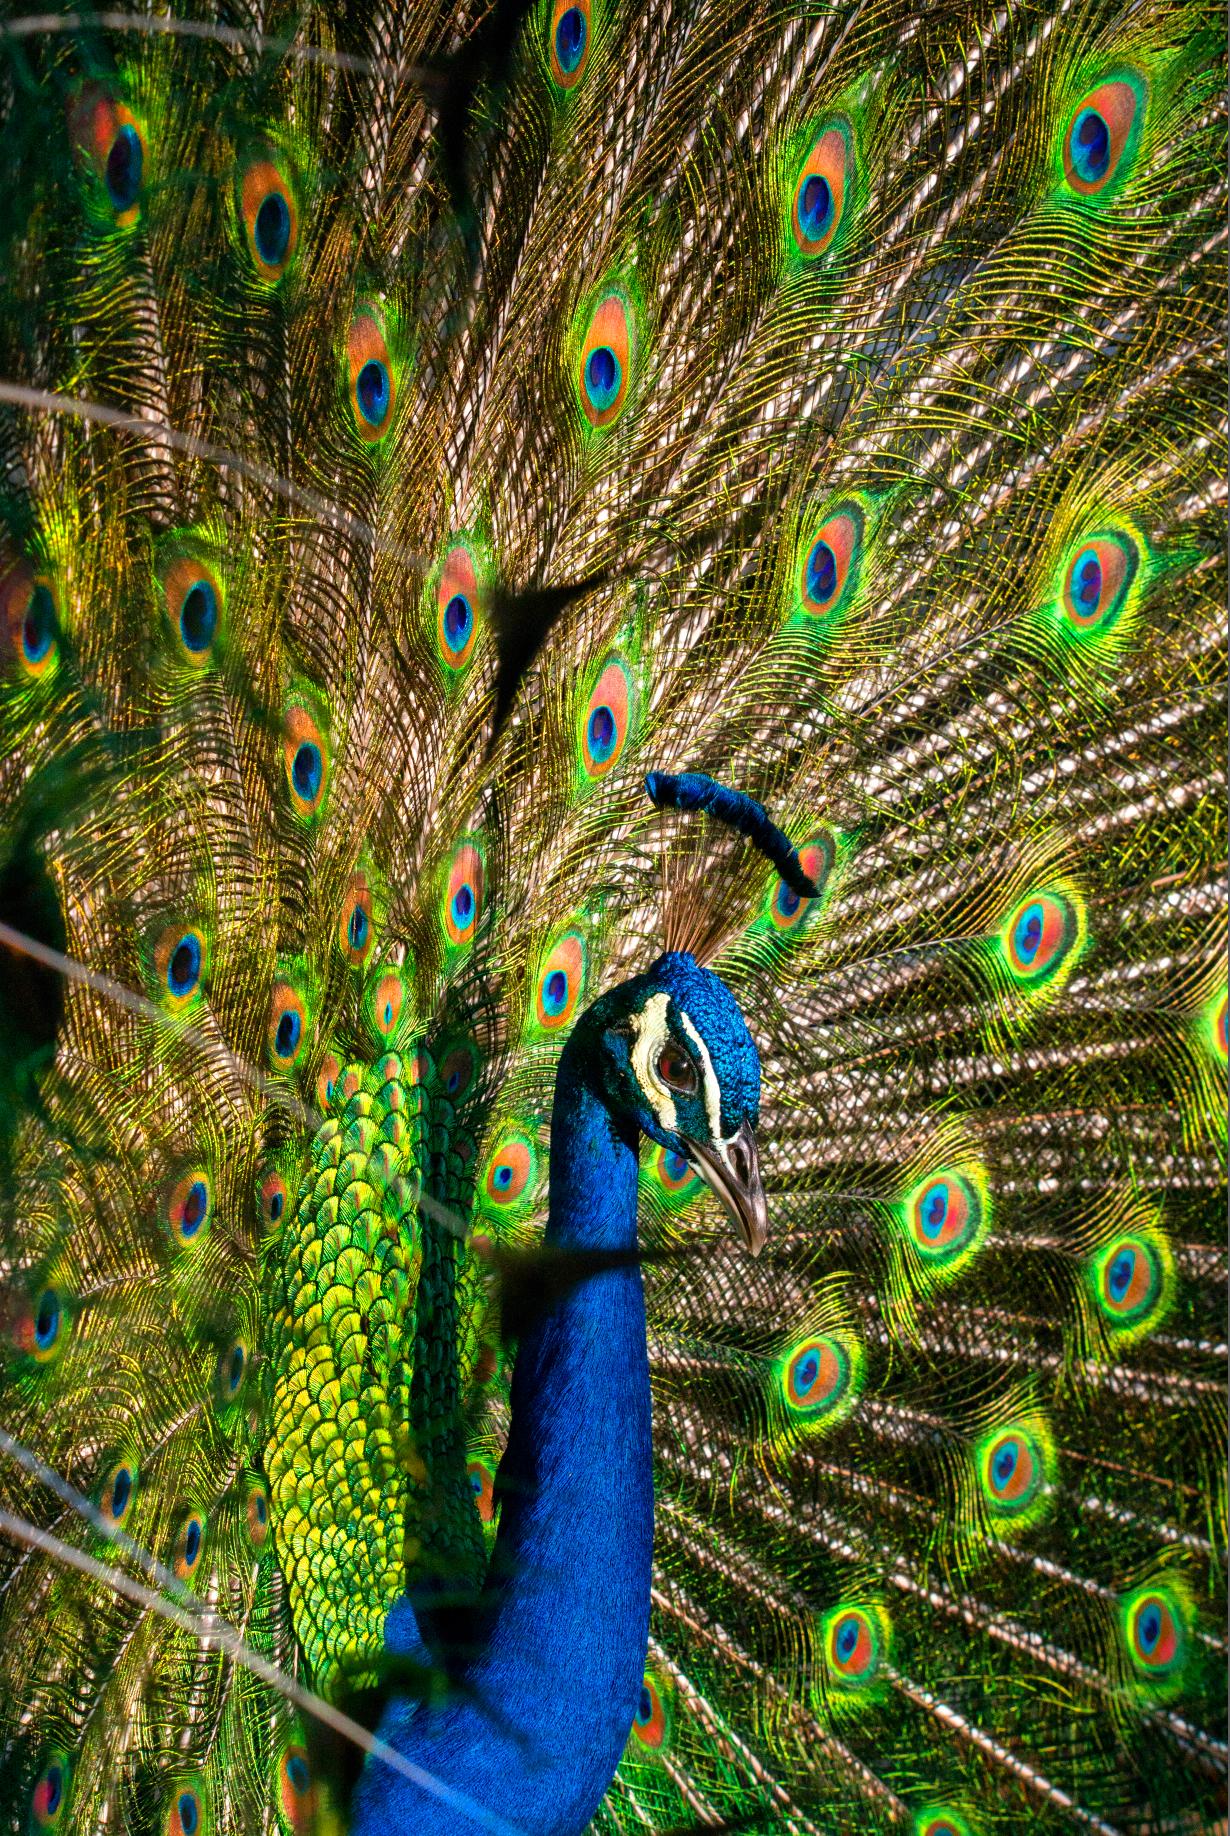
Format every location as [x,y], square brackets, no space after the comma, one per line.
[568,1593]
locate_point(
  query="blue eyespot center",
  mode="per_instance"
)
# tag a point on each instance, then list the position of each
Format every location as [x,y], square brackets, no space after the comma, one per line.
[38,626]
[602,377]
[788,902]
[644,1708]
[184,968]
[124,166]
[198,617]
[260,1507]
[502,1177]
[1121,1271]
[307,771]
[357,929]
[1004,1464]
[1149,1627]
[47,1320]
[121,1492]
[602,733]
[297,1773]
[555,991]
[196,1204]
[675,1165]
[1028,936]
[276,1206]
[1090,145]
[53,1780]
[570,35]
[188,1816]
[1087,581]
[934,1211]
[458,617]
[271,231]
[192,1543]
[463,903]
[847,1638]
[815,206]
[236,1367]
[821,574]
[286,1039]
[806,1372]
[373,391]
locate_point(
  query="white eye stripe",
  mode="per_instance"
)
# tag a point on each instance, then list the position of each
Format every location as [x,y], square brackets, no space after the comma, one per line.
[651,1033]
[713,1094]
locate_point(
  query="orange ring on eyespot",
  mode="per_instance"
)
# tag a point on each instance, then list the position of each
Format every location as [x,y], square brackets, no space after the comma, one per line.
[457,607]
[119,1489]
[1097,580]
[1012,1470]
[286,1032]
[354,929]
[569,40]
[373,378]
[817,1375]
[607,717]
[113,141]
[387,1000]
[604,369]
[190,1207]
[181,961]
[482,1484]
[829,556]
[560,982]
[297,1788]
[820,191]
[29,621]
[270,218]
[256,1515]
[305,752]
[1097,135]
[274,1199]
[1038,934]
[509,1171]
[649,1721]
[192,601]
[944,1216]
[853,1645]
[189,1546]
[327,1079]
[463,899]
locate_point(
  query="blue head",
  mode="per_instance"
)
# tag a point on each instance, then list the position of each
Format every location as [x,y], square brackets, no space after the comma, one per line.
[671,1053]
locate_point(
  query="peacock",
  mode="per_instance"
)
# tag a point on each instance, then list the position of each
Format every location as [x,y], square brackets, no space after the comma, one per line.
[612,919]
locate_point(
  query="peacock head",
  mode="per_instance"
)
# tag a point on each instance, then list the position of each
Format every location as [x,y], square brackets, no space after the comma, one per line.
[676,1057]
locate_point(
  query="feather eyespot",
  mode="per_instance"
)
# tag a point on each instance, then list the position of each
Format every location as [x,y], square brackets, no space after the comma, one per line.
[651,1722]
[256,1515]
[286,1030]
[604,368]
[118,1491]
[853,1647]
[788,911]
[816,1376]
[327,1079]
[1131,1280]
[113,143]
[1102,135]
[273,1199]
[189,1207]
[830,567]
[560,982]
[946,1216]
[180,960]
[675,1174]
[941,1823]
[1155,1632]
[1042,937]
[571,25]
[457,603]
[1096,583]
[606,719]
[296,1788]
[820,192]
[189,1546]
[386,999]
[29,622]
[232,1368]
[49,1799]
[463,898]
[1013,1471]
[354,930]
[40,1327]
[482,1484]
[373,379]
[306,755]
[458,1069]
[270,218]
[193,602]
[510,1171]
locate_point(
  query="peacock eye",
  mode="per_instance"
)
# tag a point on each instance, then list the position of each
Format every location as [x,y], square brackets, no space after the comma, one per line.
[676,1069]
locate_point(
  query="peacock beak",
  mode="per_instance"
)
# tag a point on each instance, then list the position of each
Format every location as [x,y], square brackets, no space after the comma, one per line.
[732,1170]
